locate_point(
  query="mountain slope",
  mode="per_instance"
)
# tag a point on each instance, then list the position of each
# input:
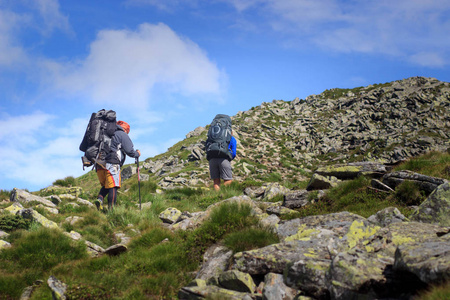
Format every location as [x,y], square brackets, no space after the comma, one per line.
[285,140]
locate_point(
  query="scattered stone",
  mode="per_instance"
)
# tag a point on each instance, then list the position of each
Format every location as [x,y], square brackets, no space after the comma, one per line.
[58,288]
[4,244]
[25,197]
[254,192]
[319,182]
[436,208]
[54,198]
[68,197]
[426,183]
[73,219]
[215,261]
[122,238]
[273,190]
[296,199]
[31,214]
[196,132]
[26,294]
[49,209]
[375,183]
[237,281]
[429,260]
[144,177]
[116,249]
[352,170]
[211,292]
[73,235]
[275,289]
[128,171]
[85,202]
[170,215]
[93,249]
[387,216]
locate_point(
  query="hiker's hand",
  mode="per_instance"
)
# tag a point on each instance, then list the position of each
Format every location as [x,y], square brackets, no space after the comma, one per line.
[139,152]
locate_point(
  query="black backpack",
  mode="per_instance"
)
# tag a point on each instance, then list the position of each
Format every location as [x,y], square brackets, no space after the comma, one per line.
[219,137]
[97,138]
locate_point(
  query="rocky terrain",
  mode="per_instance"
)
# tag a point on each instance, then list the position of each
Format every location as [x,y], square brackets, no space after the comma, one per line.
[386,123]
[322,140]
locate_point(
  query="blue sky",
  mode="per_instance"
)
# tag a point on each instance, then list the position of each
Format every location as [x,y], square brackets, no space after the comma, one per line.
[170,66]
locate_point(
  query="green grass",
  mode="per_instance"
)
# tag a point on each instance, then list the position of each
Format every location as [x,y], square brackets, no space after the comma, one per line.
[9,222]
[353,196]
[67,181]
[4,195]
[158,261]
[34,254]
[434,164]
[438,292]
[250,238]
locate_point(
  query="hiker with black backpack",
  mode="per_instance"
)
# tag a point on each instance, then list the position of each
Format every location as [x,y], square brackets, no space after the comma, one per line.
[106,144]
[220,150]
[109,175]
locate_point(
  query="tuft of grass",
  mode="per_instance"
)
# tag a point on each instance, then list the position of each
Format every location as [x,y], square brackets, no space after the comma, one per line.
[182,193]
[4,195]
[409,193]
[33,255]
[121,217]
[67,181]
[435,292]
[250,238]
[353,196]
[436,164]
[83,291]
[147,187]
[151,237]
[9,222]
[273,177]
[224,219]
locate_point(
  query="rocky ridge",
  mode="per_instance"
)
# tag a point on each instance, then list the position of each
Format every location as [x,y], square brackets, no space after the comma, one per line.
[386,123]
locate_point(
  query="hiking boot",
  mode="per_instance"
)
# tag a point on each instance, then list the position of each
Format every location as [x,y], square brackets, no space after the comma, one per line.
[99,204]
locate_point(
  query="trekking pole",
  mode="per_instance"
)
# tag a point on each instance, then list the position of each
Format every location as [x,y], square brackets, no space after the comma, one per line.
[139,182]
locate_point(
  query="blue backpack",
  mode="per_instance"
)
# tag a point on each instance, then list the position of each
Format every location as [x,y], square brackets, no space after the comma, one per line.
[219,137]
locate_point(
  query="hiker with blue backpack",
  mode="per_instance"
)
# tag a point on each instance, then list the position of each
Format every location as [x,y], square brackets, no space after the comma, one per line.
[220,150]
[106,144]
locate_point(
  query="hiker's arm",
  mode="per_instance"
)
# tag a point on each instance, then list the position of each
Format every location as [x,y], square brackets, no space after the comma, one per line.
[128,148]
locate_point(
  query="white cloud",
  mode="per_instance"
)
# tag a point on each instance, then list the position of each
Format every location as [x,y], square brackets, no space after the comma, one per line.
[22,131]
[126,67]
[36,151]
[167,5]
[428,59]
[41,15]
[402,28]
[11,52]
[51,15]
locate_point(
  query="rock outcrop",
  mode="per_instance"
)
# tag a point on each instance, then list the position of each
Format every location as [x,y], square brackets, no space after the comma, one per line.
[334,256]
[366,128]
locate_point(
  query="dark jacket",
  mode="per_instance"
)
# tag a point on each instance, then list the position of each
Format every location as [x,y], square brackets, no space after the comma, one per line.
[121,145]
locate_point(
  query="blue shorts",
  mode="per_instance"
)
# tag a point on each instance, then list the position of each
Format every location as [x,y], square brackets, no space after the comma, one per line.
[220,168]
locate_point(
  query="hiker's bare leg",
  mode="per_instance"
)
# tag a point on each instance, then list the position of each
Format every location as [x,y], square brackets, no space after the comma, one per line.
[227,182]
[217,184]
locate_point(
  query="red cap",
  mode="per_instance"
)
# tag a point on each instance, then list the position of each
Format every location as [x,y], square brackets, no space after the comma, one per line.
[124,125]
